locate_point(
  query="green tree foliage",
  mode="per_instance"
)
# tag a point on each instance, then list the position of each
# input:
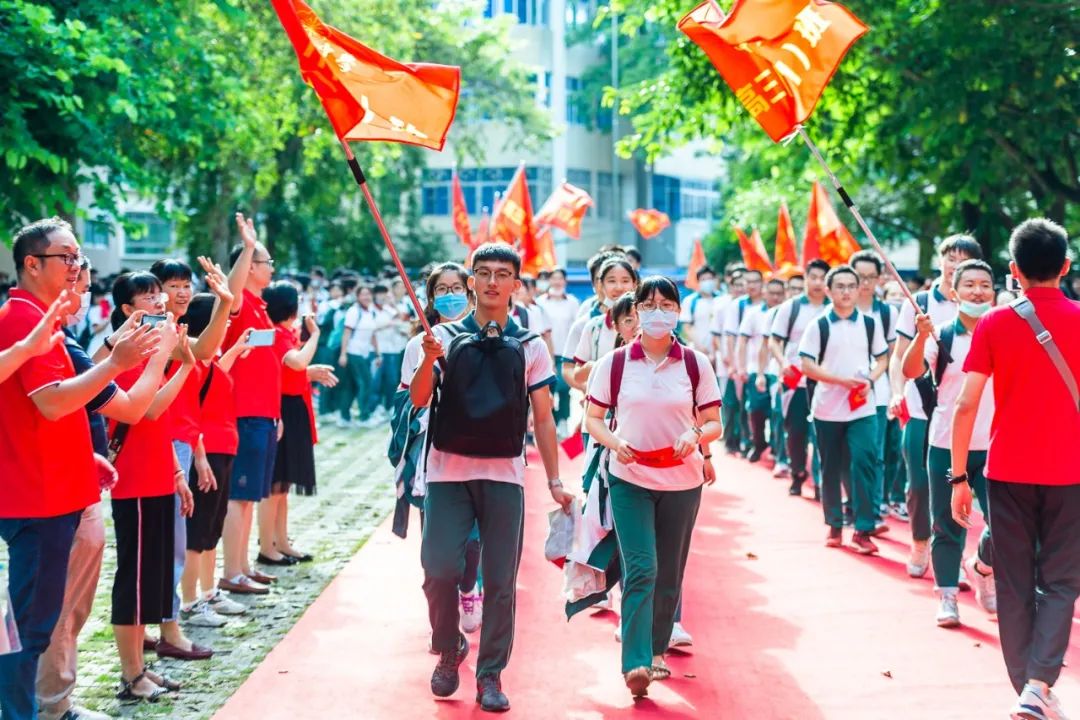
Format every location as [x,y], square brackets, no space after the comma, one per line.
[201,105]
[947,116]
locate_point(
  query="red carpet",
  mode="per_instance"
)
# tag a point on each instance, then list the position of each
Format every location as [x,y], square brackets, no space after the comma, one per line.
[783,628]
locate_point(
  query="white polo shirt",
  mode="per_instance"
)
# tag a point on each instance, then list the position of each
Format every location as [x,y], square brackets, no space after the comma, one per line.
[735,312]
[561,313]
[362,323]
[654,408]
[882,390]
[753,329]
[716,329]
[597,340]
[952,380]
[846,355]
[941,311]
[448,467]
[807,313]
[697,313]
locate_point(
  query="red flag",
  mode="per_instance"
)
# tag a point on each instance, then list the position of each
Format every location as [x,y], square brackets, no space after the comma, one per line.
[825,236]
[565,209]
[513,219]
[544,257]
[697,261]
[369,96]
[459,211]
[649,223]
[480,237]
[777,55]
[754,255]
[786,255]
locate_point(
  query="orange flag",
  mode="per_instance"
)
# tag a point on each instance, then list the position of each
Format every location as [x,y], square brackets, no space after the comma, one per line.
[777,55]
[544,258]
[754,255]
[513,218]
[565,209]
[697,261]
[368,96]
[479,238]
[459,210]
[786,255]
[825,236]
[649,223]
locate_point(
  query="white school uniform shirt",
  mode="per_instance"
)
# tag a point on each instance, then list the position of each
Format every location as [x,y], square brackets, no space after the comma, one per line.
[846,356]
[808,313]
[392,333]
[585,309]
[597,340]
[941,311]
[362,323]
[753,328]
[772,367]
[716,329]
[449,467]
[561,313]
[653,409]
[882,389]
[952,380]
[697,312]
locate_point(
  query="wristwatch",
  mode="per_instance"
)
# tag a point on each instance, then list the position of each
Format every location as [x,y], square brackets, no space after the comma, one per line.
[956,479]
[698,431]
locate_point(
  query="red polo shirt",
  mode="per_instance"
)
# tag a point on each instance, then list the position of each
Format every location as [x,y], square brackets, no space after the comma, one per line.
[46,468]
[1036,425]
[184,411]
[218,418]
[145,464]
[294,382]
[256,378]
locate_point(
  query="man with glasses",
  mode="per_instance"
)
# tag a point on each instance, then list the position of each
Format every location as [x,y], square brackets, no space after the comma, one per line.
[844,353]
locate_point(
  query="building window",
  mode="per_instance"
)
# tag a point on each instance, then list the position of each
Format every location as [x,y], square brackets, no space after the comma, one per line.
[527,12]
[575,113]
[97,233]
[489,8]
[579,13]
[666,196]
[151,236]
[698,199]
[479,186]
[605,195]
[580,178]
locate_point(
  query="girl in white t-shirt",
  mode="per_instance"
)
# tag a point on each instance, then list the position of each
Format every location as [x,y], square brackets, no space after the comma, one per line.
[617,277]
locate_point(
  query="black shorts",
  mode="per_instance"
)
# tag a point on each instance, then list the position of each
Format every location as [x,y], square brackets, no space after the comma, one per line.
[205,524]
[142,592]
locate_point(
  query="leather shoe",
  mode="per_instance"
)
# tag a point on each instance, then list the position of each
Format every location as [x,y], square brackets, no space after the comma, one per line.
[261,577]
[301,558]
[197,652]
[490,695]
[283,561]
[149,644]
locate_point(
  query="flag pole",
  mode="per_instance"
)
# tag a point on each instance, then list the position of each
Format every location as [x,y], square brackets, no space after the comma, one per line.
[858,215]
[361,180]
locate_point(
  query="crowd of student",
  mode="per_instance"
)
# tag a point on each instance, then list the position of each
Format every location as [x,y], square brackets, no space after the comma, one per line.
[192,409]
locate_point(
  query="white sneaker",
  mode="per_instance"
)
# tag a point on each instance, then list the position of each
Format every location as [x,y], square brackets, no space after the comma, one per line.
[1033,704]
[225,606]
[342,422]
[919,561]
[679,637]
[200,614]
[781,471]
[948,614]
[471,606]
[1055,706]
[985,589]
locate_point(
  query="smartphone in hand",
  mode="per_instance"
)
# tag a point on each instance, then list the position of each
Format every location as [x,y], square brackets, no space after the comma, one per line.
[261,338]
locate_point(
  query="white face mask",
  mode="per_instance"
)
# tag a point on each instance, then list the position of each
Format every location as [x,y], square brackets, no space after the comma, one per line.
[707,287]
[542,286]
[658,323]
[975,310]
[77,317]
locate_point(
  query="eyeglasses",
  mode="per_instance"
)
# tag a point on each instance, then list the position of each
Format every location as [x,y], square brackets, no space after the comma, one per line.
[70,259]
[501,276]
[845,288]
[868,279]
[441,290]
[666,306]
[269,262]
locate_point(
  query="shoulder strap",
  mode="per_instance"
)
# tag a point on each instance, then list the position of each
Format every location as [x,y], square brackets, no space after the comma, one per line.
[522,314]
[885,311]
[944,356]
[693,371]
[868,320]
[793,315]
[618,365]
[742,309]
[823,328]
[922,299]
[1024,308]
[206,385]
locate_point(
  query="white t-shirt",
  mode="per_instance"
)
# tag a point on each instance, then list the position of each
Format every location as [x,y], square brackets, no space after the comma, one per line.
[753,329]
[758,331]
[597,340]
[716,329]
[845,356]
[362,323]
[941,311]
[561,313]
[393,332]
[952,380]
[806,314]
[697,313]
[882,390]
[654,408]
[448,467]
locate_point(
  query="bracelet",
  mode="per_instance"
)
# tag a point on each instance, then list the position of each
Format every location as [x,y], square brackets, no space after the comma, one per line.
[108,344]
[556,483]
[178,473]
[708,457]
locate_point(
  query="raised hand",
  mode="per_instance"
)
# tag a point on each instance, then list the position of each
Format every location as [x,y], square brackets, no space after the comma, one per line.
[136,345]
[247,230]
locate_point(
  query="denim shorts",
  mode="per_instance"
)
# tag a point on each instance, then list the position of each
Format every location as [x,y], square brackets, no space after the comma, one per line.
[253,470]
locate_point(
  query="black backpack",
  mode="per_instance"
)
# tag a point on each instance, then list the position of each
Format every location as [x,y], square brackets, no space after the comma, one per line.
[480,407]
[927,383]
[824,329]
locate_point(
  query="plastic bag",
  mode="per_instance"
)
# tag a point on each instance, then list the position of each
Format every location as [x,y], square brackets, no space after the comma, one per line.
[560,539]
[9,634]
[581,581]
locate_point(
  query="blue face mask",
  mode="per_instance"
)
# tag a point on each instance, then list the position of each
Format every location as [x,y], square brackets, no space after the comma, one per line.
[451,306]
[975,310]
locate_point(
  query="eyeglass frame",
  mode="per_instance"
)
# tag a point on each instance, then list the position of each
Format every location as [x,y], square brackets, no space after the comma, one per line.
[70,259]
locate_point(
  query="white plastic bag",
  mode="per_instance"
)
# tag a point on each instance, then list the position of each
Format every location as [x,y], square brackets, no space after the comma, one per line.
[560,539]
[581,581]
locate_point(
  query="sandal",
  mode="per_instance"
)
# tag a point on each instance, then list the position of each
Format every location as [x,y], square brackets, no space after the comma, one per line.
[638,681]
[170,685]
[659,672]
[128,693]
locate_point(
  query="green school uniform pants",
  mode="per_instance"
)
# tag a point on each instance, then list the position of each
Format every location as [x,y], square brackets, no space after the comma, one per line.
[757,411]
[450,510]
[848,453]
[895,473]
[653,529]
[731,413]
[777,440]
[918,490]
[947,538]
[879,467]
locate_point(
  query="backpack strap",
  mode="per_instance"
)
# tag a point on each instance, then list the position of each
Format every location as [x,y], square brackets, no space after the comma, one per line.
[206,385]
[868,320]
[1023,307]
[885,311]
[944,356]
[823,329]
[693,372]
[922,299]
[618,367]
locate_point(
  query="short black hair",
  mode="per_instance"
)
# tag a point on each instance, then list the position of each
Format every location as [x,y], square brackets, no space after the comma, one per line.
[616,262]
[620,309]
[171,269]
[634,254]
[198,313]
[750,271]
[497,252]
[557,270]
[282,300]
[817,264]
[840,270]
[797,276]
[1040,248]
[527,280]
[126,288]
[380,288]
[960,243]
[33,239]
[599,259]
[705,270]
[867,256]
[972,264]
[657,284]
[777,281]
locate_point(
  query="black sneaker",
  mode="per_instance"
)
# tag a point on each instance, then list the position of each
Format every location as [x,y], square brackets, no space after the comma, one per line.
[445,681]
[849,516]
[490,695]
[797,480]
[755,454]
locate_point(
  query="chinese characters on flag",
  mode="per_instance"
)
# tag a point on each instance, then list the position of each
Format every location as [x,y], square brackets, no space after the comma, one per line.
[697,261]
[786,255]
[825,236]
[369,96]
[513,223]
[565,209]
[649,223]
[777,55]
[754,255]
[459,211]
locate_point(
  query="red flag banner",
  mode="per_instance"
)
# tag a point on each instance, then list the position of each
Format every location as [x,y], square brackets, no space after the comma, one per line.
[512,221]
[543,259]
[565,209]
[786,254]
[754,255]
[777,55]
[697,261]
[459,211]
[649,223]
[369,96]
[825,236]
